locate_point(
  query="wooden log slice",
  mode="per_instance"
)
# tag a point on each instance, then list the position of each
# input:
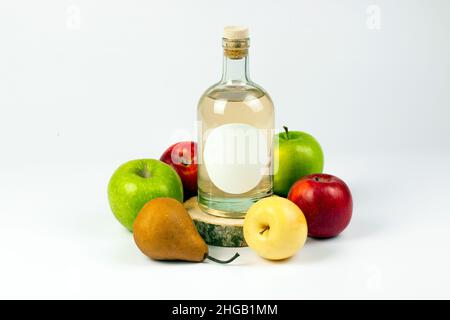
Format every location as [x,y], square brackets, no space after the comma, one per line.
[216,231]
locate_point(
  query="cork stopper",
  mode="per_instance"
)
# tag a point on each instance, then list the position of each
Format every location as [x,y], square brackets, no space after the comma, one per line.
[235,32]
[235,42]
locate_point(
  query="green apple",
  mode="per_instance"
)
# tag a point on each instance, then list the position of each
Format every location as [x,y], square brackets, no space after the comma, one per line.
[296,155]
[137,182]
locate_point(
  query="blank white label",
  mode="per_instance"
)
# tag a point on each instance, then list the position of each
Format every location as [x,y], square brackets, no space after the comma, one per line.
[235,157]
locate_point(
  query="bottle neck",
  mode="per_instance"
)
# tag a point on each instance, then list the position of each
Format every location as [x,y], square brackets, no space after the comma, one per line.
[235,70]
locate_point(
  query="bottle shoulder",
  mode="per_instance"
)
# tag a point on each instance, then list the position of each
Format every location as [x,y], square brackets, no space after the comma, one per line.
[236,102]
[235,91]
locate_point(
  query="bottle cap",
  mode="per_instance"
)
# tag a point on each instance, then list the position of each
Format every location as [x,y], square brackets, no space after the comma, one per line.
[235,32]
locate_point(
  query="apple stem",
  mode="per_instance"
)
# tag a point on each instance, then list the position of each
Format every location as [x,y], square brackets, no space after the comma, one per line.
[223,261]
[287,132]
[145,173]
[265,229]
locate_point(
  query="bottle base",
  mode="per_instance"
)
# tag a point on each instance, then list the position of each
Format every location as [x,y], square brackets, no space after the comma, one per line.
[234,208]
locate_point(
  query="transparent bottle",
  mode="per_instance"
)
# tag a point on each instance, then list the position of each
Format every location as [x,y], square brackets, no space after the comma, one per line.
[235,135]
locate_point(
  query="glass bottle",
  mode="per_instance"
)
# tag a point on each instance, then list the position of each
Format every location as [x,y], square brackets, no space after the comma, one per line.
[235,134]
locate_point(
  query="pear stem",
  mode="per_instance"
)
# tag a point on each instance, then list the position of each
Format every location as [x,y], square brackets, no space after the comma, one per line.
[287,132]
[222,261]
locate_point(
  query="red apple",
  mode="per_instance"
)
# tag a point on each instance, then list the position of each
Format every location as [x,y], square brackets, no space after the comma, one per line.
[326,202]
[182,156]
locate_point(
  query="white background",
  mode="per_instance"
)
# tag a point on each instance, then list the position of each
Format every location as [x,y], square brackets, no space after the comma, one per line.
[87,85]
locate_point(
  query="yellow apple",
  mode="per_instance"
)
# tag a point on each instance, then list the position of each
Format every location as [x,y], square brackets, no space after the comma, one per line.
[275,228]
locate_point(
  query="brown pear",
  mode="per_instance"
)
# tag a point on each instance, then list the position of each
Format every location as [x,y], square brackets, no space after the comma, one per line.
[163,230]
